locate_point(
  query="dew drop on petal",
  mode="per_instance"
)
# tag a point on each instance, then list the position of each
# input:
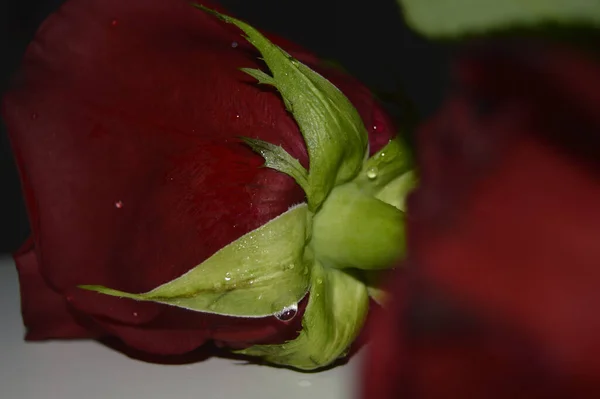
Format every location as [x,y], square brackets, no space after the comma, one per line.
[377,127]
[234,44]
[372,173]
[114,22]
[287,313]
[119,204]
[135,314]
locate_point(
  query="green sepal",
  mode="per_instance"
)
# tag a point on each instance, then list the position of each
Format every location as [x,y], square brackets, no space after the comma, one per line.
[355,230]
[257,275]
[277,158]
[335,136]
[393,160]
[336,311]
[396,191]
[374,281]
[453,18]
[259,75]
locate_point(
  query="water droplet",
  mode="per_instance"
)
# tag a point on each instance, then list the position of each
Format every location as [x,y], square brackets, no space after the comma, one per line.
[251,282]
[287,313]
[372,173]
[234,44]
[305,271]
[114,22]
[289,266]
[135,314]
[260,297]
[378,127]
[304,383]
[34,116]
[382,154]
[237,116]
[119,204]
[319,281]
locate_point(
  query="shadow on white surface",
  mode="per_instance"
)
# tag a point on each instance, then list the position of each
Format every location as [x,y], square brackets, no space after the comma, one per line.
[90,370]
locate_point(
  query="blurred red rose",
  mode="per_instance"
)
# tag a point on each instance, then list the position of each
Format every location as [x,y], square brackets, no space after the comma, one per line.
[124,121]
[498,298]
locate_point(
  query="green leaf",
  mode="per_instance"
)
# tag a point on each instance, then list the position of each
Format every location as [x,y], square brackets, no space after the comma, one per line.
[335,136]
[354,230]
[277,158]
[449,18]
[257,275]
[336,311]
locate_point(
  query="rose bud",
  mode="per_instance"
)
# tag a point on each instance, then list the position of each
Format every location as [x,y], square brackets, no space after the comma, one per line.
[187,184]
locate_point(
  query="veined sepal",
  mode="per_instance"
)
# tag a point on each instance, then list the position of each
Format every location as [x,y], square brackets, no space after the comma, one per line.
[334,133]
[257,275]
[336,311]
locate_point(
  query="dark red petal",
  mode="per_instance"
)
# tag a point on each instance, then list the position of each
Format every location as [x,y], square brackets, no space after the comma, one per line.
[45,312]
[505,228]
[125,121]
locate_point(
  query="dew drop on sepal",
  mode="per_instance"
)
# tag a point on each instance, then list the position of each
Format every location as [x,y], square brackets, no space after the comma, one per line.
[289,266]
[119,204]
[287,313]
[372,173]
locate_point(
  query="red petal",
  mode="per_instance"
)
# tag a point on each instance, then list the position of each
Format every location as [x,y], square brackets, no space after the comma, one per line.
[504,228]
[45,312]
[124,120]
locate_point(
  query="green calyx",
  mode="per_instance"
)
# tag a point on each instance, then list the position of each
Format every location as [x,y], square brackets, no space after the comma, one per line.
[333,248]
[454,18]
[337,307]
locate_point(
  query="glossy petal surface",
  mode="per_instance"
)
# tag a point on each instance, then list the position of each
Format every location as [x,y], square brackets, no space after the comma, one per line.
[124,121]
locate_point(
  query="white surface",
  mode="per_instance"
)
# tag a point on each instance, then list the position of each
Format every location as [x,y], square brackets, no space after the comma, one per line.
[89,370]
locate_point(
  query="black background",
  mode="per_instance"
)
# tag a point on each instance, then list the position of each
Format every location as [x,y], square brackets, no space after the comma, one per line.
[369,39]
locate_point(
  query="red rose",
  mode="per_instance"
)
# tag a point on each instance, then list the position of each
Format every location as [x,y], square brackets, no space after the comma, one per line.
[499,296]
[124,121]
